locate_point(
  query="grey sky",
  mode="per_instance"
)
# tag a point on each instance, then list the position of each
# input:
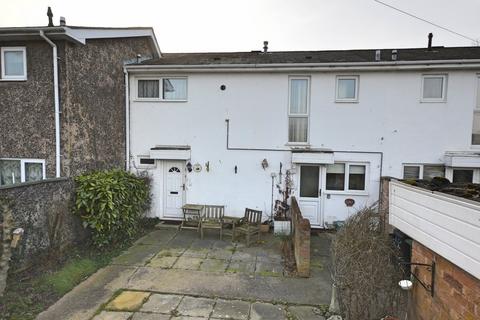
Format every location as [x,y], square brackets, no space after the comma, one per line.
[242,25]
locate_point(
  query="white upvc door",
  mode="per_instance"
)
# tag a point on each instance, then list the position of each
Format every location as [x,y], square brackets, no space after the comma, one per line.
[310,193]
[174,188]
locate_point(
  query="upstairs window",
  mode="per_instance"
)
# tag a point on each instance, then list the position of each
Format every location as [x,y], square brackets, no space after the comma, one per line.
[172,89]
[298,110]
[434,88]
[476,117]
[13,63]
[21,170]
[347,89]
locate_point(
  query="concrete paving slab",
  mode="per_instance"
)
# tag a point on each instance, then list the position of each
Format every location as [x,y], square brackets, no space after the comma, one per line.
[307,291]
[202,243]
[196,252]
[237,266]
[162,262]
[196,307]
[150,316]
[161,303]
[231,309]
[220,254]
[269,269]
[188,263]
[170,252]
[157,237]
[128,301]
[305,313]
[244,256]
[112,315]
[188,318]
[137,255]
[214,265]
[267,311]
[225,245]
[84,300]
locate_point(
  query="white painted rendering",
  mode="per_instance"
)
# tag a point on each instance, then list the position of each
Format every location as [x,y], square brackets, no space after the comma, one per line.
[448,225]
[388,126]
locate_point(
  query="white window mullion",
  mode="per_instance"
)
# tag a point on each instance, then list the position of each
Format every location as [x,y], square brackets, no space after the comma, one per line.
[347,177]
[22,170]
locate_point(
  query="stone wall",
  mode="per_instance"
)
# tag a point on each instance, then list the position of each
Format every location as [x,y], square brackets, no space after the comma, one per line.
[456,293]
[44,210]
[301,240]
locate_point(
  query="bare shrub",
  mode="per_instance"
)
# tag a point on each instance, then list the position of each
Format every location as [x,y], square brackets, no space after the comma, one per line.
[365,270]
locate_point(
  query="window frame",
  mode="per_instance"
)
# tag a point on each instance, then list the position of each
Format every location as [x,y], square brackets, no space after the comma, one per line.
[5,77]
[421,166]
[476,108]
[444,76]
[296,115]
[145,166]
[337,87]
[160,89]
[22,167]
[346,189]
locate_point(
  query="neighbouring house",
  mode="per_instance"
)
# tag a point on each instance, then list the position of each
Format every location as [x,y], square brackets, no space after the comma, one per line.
[224,128]
[442,232]
[62,98]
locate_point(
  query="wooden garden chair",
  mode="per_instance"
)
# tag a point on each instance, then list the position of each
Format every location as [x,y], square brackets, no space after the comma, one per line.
[248,225]
[212,218]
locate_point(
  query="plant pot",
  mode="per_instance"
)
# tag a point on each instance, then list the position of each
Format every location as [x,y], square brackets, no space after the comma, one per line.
[264,228]
[281,227]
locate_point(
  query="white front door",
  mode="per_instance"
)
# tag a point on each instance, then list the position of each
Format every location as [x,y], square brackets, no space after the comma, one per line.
[174,188]
[310,193]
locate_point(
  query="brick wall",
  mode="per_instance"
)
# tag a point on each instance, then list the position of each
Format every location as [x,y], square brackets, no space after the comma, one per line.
[456,295]
[301,240]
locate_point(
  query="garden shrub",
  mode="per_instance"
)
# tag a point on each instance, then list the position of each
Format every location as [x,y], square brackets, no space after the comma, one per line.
[111,203]
[366,269]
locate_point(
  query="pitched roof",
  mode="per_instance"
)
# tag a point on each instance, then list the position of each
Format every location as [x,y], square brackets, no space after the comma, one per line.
[309,57]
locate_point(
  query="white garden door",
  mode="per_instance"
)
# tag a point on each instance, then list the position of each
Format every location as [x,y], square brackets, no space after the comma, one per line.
[174,188]
[310,193]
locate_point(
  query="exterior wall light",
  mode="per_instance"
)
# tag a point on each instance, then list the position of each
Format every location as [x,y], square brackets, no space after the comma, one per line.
[408,285]
[264,164]
[189,166]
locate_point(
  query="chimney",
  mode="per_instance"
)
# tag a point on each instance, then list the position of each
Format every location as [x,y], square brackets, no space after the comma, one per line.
[377,55]
[394,54]
[430,37]
[265,46]
[63,22]
[50,16]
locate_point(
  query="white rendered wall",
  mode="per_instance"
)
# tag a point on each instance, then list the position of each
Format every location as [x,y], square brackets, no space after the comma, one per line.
[388,118]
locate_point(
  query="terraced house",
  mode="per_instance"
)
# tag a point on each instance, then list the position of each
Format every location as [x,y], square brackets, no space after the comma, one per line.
[235,127]
[62,98]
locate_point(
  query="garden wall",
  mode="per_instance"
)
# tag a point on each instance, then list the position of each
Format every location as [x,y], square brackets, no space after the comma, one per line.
[456,292]
[44,210]
[301,240]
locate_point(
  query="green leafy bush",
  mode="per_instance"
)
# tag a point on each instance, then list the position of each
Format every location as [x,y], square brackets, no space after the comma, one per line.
[110,204]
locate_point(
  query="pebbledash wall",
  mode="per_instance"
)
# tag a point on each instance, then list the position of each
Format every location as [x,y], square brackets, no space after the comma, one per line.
[44,210]
[389,119]
[457,293]
[92,104]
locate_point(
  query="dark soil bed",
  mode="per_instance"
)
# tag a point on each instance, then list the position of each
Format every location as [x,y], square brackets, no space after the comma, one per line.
[465,190]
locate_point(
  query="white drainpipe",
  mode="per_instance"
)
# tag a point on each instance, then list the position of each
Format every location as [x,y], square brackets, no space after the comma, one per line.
[127,122]
[57,103]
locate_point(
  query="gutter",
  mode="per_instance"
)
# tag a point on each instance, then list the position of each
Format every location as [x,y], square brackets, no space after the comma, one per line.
[57,103]
[339,66]
[127,121]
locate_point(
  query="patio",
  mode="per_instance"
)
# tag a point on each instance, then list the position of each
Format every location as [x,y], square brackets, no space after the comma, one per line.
[170,274]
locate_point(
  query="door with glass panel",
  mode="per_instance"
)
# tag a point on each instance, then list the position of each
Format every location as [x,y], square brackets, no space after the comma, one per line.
[309,196]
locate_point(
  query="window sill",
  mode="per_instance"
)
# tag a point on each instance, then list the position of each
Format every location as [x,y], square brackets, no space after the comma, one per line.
[12,80]
[346,101]
[298,144]
[433,100]
[156,100]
